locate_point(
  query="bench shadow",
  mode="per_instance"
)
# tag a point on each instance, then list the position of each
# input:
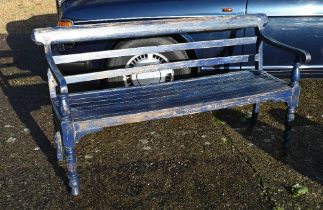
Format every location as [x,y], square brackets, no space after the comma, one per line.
[21,61]
[304,156]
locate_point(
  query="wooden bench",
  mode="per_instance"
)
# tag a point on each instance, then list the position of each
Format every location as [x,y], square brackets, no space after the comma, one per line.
[81,113]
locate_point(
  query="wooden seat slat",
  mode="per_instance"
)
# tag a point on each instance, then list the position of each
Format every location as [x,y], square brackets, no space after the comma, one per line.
[160,94]
[86,126]
[144,90]
[189,95]
[151,106]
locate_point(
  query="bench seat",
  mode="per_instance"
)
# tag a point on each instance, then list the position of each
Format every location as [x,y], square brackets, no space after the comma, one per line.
[85,112]
[126,105]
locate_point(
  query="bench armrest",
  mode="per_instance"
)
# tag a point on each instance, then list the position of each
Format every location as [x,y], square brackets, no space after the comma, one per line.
[302,56]
[60,80]
[58,76]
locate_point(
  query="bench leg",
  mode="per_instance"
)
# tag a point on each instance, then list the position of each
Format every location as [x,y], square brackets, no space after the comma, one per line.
[74,180]
[255,113]
[68,135]
[58,139]
[287,136]
[292,105]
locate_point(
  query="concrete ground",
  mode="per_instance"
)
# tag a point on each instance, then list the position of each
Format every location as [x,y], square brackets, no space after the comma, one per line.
[203,161]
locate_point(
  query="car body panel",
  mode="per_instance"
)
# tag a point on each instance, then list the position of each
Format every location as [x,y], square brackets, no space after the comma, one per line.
[286,8]
[295,22]
[81,11]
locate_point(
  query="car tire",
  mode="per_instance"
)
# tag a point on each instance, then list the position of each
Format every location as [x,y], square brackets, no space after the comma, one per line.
[121,62]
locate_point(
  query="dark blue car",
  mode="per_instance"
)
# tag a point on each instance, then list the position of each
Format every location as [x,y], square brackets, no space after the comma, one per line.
[295,22]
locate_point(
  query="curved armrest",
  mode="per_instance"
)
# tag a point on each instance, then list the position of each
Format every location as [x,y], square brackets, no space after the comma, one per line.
[302,55]
[58,76]
[60,80]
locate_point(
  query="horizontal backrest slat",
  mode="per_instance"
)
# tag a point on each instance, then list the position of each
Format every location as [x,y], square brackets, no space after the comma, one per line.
[60,59]
[130,29]
[160,67]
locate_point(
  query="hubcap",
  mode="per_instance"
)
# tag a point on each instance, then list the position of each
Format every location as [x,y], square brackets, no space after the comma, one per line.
[149,77]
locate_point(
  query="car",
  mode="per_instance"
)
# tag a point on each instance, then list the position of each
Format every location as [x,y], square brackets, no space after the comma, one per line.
[295,22]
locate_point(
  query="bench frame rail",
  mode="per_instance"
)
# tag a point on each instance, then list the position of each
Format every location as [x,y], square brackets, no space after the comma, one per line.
[70,132]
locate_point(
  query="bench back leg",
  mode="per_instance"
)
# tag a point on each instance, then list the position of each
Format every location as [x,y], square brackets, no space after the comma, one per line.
[289,119]
[59,143]
[255,113]
[259,67]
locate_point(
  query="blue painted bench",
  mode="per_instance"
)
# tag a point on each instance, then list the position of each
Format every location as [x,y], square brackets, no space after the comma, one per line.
[81,113]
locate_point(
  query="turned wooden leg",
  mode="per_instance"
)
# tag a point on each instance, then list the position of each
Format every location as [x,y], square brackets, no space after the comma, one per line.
[68,135]
[292,105]
[287,136]
[74,180]
[58,139]
[255,113]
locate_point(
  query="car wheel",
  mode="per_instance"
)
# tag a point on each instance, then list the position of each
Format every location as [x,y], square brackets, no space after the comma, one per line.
[147,59]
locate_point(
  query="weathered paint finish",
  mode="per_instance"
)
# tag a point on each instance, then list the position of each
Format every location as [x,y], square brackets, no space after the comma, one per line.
[59,142]
[293,104]
[281,95]
[82,113]
[52,84]
[159,67]
[59,59]
[143,28]
[73,176]
[209,90]
[55,72]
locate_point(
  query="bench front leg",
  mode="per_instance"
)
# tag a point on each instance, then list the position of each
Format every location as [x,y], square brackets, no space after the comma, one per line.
[73,176]
[292,105]
[68,135]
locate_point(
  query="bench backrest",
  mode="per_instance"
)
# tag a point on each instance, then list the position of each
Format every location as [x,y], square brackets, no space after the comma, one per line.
[145,28]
